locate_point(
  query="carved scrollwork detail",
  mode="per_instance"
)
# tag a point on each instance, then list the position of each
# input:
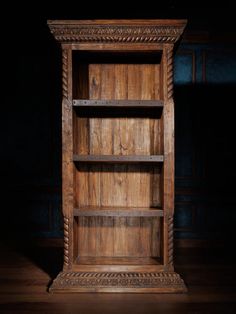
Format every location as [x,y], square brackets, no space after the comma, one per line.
[116,33]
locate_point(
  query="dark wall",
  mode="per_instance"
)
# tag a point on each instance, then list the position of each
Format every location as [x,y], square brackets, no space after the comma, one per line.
[205,84]
[205,77]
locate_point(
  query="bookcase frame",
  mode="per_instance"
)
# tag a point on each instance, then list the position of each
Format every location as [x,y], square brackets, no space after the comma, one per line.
[117,155]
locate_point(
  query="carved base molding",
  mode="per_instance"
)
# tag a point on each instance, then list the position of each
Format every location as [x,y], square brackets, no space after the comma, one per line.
[155,282]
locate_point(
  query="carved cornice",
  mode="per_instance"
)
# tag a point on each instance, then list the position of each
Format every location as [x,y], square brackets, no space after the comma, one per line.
[79,33]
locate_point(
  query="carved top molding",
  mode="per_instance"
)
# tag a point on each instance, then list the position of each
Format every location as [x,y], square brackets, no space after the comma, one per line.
[117,31]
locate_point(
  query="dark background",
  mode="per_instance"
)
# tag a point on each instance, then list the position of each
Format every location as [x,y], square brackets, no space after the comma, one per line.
[30,131]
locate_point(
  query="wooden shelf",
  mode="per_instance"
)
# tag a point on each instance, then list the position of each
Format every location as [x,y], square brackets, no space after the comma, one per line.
[93,211]
[119,158]
[103,260]
[118,103]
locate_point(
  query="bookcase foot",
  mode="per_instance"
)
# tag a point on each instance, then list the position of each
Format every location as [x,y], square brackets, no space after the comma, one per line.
[123,282]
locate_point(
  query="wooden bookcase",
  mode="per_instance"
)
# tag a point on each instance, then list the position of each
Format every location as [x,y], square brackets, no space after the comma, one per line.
[118,155]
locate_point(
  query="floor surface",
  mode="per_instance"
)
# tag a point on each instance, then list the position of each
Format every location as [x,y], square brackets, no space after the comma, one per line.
[26,273]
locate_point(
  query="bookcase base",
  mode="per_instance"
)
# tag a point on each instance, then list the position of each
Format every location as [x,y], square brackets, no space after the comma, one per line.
[123,282]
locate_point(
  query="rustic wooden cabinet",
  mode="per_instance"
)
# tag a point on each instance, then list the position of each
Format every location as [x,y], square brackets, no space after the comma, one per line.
[118,155]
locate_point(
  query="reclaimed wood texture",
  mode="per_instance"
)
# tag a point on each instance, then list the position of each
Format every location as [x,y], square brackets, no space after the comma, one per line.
[119,184]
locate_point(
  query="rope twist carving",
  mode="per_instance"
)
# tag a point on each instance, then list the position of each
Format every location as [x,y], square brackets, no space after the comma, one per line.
[169,73]
[64,73]
[170,239]
[66,241]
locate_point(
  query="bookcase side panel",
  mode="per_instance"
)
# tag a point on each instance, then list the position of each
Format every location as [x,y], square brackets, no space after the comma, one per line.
[67,153]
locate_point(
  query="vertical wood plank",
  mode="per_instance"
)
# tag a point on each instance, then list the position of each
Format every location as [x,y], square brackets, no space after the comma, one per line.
[94,176]
[107,178]
[120,236]
[146,128]
[75,237]
[83,234]
[133,173]
[155,187]
[95,140]
[145,236]
[80,91]
[155,237]
[120,171]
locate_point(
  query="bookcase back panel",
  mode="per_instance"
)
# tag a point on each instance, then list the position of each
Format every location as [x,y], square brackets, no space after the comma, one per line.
[120,134]
[124,81]
[119,75]
[101,185]
[118,185]
[118,236]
